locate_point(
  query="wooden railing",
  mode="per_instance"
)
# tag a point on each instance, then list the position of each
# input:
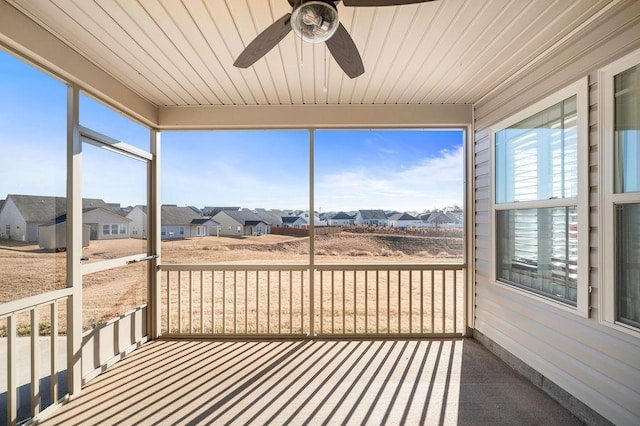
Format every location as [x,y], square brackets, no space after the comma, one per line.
[31,307]
[343,300]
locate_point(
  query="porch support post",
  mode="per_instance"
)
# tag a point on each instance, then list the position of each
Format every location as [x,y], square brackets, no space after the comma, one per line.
[153,235]
[312,236]
[74,243]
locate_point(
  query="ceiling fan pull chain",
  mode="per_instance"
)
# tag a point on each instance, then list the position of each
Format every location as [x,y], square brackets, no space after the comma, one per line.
[301,53]
[326,70]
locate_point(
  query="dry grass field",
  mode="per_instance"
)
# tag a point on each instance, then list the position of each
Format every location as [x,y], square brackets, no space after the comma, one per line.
[28,270]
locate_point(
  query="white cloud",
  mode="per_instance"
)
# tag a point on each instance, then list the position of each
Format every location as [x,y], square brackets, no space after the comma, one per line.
[432,182]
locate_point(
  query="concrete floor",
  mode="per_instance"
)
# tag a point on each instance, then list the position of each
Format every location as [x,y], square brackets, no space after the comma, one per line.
[449,381]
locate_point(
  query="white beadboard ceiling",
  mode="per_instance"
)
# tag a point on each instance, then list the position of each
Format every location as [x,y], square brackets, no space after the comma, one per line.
[180,52]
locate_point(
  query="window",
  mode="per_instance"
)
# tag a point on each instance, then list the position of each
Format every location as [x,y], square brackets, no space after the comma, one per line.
[182,230]
[540,199]
[620,183]
[106,229]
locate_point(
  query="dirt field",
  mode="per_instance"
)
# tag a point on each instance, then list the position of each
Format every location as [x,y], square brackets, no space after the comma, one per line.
[28,270]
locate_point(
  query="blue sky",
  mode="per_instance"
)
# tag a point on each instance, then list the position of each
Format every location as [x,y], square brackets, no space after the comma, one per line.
[407,170]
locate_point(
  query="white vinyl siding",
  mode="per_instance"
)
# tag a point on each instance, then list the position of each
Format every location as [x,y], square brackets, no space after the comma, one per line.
[596,363]
[537,211]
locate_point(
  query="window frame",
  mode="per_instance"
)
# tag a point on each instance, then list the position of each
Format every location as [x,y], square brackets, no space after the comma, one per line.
[579,89]
[608,198]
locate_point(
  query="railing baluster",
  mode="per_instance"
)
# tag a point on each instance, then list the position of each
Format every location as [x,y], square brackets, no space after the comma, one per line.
[410,301]
[201,301]
[433,302]
[290,302]
[366,301]
[399,301]
[235,302]
[377,301]
[268,302]
[246,302]
[355,298]
[169,302]
[388,301]
[179,302]
[302,301]
[344,302]
[258,302]
[35,358]
[12,397]
[443,300]
[333,301]
[190,301]
[54,352]
[322,303]
[213,301]
[455,302]
[279,302]
[224,302]
[421,302]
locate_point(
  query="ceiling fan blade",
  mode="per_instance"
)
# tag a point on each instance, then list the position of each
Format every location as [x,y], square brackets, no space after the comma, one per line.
[345,52]
[363,3]
[264,42]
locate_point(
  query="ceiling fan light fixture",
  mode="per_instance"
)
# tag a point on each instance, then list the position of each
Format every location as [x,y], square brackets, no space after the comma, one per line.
[315,21]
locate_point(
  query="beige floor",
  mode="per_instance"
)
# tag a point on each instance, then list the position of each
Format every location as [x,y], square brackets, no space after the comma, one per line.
[451,381]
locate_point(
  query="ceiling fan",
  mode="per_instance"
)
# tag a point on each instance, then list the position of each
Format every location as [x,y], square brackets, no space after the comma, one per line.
[315,21]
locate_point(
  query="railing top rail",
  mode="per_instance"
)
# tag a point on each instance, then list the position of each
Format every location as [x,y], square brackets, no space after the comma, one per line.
[17,306]
[319,267]
[231,267]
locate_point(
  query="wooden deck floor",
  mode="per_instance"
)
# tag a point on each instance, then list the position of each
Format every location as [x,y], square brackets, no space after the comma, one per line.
[450,381]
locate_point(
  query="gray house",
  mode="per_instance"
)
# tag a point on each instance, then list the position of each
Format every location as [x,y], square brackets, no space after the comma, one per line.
[138,226]
[244,222]
[22,215]
[184,222]
[371,218]
[341,219]
[403,220]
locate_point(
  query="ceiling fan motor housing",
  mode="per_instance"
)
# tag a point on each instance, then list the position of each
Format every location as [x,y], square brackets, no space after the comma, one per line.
[314,21]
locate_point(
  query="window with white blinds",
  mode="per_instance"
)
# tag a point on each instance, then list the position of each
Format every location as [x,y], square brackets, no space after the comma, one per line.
[536,205]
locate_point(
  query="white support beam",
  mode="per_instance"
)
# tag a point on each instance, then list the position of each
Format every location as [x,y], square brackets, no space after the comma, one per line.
[74,236]
[24,37]
[316,116]
[154,239]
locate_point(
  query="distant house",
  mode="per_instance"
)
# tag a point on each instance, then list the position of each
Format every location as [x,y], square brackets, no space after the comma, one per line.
[404,220]
[212,211]
[269,218]
[341,219]
[316,218]
[22,215]
[295,222]
[442,220]
[184,222]
[138,225]
[105,224]
[238,223]
[371,218]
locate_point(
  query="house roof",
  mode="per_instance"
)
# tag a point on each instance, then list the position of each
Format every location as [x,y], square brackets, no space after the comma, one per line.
[177,216]
[292,219]
[243,216]
[42,209]
[373,214]
[402,216]
[268,217]
[204,220]
[342,216]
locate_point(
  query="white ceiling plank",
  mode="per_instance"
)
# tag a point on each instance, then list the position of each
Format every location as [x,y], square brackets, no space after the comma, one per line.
[430,49]
[175,51]
[395,73]
[359,31]
[194,46]
[231,42]
[101,51]
[389,58]
[207,40]
[458,35]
